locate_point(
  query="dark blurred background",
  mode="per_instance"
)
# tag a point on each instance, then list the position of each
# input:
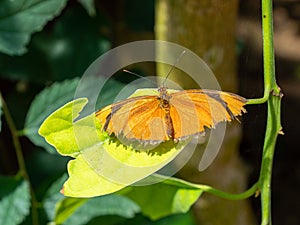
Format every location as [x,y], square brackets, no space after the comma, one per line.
[67,46]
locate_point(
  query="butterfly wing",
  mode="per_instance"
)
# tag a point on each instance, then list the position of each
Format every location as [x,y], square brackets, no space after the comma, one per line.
[139,118]
[193,110]
[142,118]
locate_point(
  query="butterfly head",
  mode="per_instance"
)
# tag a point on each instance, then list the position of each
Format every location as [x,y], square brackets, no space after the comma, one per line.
[163,93]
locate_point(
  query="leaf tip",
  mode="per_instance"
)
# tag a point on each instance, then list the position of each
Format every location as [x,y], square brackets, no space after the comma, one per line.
[62,190]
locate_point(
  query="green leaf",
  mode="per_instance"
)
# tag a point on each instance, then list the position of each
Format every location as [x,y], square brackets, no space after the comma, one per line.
[54,97]
[80,211]
[19,19]
[43,105]
[85,182]
[77,211]
[68,54]
[14,200]
[60,131]
[177,219]
[53,196]
[58,49]
[165,197]
[103,165]
[89,6]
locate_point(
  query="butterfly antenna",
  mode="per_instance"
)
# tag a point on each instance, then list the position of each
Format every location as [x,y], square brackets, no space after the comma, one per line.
[173,66]
[127,71]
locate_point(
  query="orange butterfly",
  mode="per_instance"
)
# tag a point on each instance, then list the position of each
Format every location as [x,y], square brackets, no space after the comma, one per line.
[169,115]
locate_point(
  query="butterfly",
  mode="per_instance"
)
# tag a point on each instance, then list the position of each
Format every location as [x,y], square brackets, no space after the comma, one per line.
[169,114]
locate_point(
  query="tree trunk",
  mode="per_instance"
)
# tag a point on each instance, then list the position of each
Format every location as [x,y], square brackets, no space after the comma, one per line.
[207,27]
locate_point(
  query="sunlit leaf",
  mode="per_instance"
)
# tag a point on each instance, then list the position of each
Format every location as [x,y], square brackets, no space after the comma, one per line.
[19,19]
[77,211]
[58,130]
[102,164]
[85,182]
[14,200]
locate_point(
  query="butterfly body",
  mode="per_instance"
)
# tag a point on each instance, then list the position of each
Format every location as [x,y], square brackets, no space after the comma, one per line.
[164,103]
[169,114]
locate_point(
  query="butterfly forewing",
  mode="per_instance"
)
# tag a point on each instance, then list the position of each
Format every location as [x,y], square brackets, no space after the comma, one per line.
[141,118]
[170,116]
[234,102]
[146,123]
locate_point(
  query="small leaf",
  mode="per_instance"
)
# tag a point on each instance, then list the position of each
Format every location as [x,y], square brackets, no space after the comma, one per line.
[66,208]
[165,197]
[77,211]
[60,131]
[43,105]
[14,200]
[89,6]
[19,19]
[57,128]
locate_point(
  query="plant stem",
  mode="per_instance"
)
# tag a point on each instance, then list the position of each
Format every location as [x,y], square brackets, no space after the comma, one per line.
[268,52]
[273,127]
[20,158]
[206,188]
[246,194]
[272,130]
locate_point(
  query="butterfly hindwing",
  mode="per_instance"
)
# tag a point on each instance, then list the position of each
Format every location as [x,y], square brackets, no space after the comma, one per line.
[157,118]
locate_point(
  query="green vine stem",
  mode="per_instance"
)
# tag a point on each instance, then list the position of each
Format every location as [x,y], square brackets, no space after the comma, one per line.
[20,158]
[273,128]
[273,95]
[268,52]
[206,188]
